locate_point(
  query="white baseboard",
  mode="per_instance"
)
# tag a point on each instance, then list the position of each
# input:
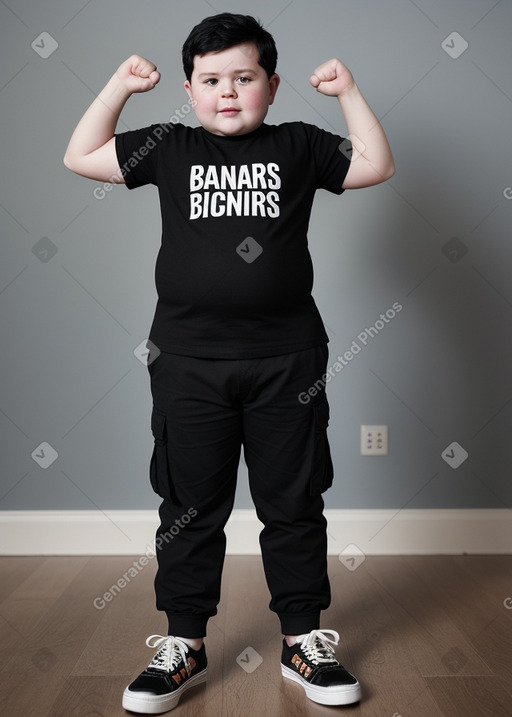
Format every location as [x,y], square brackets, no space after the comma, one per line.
[351,532]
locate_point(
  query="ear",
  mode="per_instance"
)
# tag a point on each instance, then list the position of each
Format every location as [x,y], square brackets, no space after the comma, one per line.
[188,88]
[273,84]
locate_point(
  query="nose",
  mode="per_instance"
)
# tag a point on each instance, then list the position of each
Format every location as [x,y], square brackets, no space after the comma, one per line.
[228,88]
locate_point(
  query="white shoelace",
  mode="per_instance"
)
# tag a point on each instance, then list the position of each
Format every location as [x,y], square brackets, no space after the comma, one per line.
[171,651]
[318,647]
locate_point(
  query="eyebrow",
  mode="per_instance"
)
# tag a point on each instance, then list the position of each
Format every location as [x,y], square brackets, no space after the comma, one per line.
[235,72]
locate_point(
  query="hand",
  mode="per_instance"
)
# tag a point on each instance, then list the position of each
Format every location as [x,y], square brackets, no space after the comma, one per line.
[332,78]
[138,74]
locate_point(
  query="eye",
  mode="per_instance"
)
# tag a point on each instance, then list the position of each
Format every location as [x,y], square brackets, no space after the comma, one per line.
[244,80]
[211,82]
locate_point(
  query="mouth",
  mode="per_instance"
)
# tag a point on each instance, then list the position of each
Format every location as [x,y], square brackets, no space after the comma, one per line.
[229,111]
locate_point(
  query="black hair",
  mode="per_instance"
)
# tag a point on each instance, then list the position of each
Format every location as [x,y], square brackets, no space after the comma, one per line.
[225,30]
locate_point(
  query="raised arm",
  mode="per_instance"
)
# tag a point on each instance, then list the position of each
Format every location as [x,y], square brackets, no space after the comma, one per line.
[91,150]
[372,161]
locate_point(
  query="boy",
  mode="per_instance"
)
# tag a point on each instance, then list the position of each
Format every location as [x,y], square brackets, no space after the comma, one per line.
[240,337]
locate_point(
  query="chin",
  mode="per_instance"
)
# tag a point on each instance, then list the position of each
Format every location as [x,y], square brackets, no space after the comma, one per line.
[226,131]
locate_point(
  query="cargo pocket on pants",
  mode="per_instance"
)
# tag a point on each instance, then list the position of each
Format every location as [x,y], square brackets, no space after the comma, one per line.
[159,473]
[322,472]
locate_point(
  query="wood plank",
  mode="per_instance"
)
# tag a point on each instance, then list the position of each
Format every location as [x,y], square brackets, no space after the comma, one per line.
[118,644]
[463,696]
[252,635]
[14,570]
[28,602]
[89,697]
[436,645]
[493,571]
[400,618]
[494,644]
[32,590]
[56,642]
[10,639]
[374,645]
[470,602]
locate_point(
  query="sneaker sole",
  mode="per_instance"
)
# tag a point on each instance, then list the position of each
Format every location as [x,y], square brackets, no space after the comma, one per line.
[148,703]
[336,695]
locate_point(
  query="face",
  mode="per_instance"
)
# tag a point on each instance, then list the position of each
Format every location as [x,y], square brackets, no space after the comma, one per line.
[231,90]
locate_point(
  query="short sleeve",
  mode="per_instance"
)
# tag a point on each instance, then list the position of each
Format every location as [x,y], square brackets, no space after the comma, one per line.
[331,155]
[137,152]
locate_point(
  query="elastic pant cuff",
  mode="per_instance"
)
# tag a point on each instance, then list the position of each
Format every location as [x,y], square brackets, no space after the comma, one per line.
[299,623]
[186,625]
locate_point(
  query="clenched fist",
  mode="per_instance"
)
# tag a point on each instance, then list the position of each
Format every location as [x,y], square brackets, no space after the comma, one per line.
[332,78]
[138,74]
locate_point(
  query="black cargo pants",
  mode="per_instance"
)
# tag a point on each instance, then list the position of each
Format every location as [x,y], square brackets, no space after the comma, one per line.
[204,410]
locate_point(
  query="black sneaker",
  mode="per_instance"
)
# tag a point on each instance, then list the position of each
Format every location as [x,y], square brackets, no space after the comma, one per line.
[173,669]
[312,664]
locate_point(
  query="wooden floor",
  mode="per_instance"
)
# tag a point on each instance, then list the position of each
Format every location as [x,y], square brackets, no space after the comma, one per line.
[426,637]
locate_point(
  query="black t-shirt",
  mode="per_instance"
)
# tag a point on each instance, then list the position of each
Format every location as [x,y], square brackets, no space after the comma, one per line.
[234,273]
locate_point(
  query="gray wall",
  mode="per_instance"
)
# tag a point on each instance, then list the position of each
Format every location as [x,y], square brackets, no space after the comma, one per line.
[435,238]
